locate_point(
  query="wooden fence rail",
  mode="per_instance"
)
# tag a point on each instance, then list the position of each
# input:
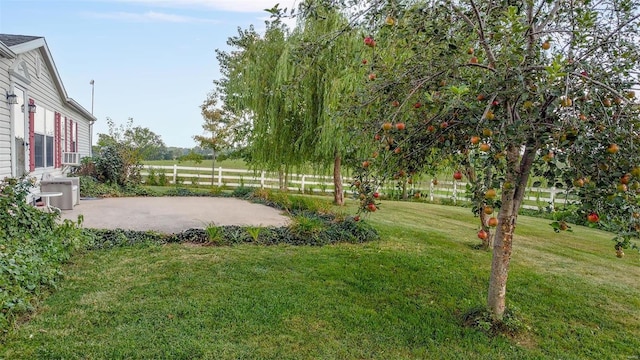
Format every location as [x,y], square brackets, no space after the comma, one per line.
[536,198]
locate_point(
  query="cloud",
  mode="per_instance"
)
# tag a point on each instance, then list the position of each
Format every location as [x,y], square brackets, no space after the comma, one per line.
[225,5]
[149,16]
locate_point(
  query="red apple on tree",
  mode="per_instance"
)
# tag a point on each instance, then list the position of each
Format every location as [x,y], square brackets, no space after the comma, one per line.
[400,126]
[483,235]
[376,194]
[372,207]
[593,217]
[368,41]
[625,179]
[457,175]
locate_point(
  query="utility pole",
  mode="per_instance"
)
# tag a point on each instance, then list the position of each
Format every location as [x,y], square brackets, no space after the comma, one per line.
[92,83]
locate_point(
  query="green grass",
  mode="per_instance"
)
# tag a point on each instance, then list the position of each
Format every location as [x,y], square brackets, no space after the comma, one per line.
[402,297]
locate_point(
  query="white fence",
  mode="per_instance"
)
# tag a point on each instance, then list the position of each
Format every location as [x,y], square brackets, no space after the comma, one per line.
[536,198]
[240,177]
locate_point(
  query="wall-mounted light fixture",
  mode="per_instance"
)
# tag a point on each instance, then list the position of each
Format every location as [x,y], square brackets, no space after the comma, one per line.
[32,108]
[12,98]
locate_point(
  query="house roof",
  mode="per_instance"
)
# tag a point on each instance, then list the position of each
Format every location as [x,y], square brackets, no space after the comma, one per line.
[10,40]
[12,45]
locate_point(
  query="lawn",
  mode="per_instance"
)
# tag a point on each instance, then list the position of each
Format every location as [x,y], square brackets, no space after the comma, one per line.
[402,297]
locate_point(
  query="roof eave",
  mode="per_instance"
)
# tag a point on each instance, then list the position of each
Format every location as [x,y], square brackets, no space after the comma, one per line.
[74,104]
[42,43]
[6,52]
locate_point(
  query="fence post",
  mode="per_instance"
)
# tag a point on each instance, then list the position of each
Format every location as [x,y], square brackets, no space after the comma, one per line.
[220,176]
[302,183]
[262,179]
[455,191]
[553,198]
[431,191]
[175,173]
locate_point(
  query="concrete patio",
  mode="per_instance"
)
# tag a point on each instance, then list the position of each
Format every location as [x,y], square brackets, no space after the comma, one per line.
[172,214]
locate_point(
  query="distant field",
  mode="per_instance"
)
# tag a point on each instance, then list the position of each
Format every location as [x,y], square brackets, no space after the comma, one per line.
[229,164]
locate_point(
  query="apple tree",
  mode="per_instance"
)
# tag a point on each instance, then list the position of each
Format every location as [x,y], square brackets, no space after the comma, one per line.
[510,91]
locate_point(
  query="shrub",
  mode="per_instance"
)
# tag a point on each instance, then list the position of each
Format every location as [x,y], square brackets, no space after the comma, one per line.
[33,248]
[242,192]
[118,164]
[162,179]
[214,234]
[152,178]
[87,168]
[90,187]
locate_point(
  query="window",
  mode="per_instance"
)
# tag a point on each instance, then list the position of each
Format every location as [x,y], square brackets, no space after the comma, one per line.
[44,131]
[74,136]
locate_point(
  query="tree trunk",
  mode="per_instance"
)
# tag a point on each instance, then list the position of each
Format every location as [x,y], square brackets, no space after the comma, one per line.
[213,165]
[513,191]
[281,179]
[338,193]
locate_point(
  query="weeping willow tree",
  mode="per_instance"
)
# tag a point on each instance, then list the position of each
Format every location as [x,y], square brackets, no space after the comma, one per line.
[326,53]
[294,86]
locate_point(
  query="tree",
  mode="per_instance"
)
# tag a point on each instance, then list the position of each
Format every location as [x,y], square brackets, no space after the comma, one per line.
[148,144]
[536,88]
[293,85]
[143,143]
[218,128]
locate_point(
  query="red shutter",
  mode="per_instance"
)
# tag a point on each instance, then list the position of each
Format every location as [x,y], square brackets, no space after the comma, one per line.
[32,137]
[56,144]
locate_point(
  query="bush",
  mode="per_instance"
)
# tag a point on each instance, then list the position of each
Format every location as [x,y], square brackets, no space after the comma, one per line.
[162,179]
[152,179]
[118,164]
[242,192]
[33,248]
[90,187]
[87,168]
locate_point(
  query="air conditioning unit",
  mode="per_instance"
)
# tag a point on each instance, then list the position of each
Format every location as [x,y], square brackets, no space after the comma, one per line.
[71,158]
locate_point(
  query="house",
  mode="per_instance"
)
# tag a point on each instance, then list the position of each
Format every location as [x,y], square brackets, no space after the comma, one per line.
[42,130]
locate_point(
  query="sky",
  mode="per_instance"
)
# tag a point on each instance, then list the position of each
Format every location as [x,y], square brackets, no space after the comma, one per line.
[151,60]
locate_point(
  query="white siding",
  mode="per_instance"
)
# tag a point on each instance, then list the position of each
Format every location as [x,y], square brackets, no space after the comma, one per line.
[5,120]
[43,90]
